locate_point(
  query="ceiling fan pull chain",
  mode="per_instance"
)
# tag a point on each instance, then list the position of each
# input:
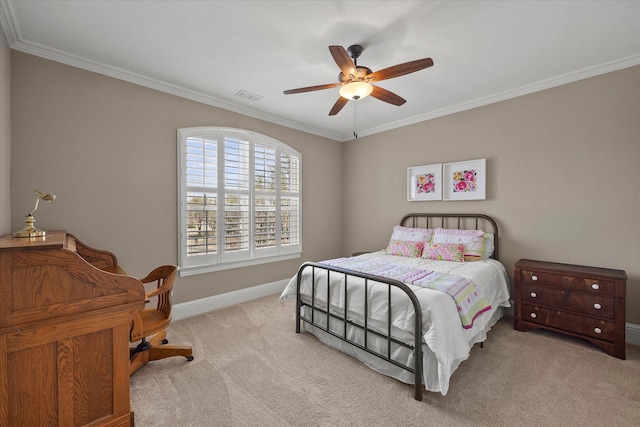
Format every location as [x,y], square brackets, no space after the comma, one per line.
[355,117]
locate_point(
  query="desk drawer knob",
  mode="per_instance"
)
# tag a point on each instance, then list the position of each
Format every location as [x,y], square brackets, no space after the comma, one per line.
[534,278]
[597,330]
[597,306]
[595,286]
[533,315]
[533,295]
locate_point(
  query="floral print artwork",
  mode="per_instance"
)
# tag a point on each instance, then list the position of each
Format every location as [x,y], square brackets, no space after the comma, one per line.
[425,183]
[464,181]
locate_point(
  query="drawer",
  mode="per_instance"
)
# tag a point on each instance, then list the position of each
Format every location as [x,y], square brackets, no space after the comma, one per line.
[592,304]
[576,323]
[569,282]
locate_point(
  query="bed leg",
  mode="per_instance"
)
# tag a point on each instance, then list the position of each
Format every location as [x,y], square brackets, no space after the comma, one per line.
[418,393]
[482,344]
[298,320]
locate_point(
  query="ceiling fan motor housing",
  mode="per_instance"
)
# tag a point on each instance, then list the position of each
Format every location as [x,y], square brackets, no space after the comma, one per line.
[361,74]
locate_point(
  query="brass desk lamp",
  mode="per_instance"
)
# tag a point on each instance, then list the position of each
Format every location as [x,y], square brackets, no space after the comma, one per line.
[30,230]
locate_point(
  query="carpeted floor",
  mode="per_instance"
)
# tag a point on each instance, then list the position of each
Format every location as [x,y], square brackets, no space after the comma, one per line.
[252,369]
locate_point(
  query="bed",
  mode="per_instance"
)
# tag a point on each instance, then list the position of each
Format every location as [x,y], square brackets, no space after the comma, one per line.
[438,283]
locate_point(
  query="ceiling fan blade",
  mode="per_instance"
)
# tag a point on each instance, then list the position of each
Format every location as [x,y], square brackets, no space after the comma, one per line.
[401,69]
[344,61]
[311,88]
[341,102]
[387,96]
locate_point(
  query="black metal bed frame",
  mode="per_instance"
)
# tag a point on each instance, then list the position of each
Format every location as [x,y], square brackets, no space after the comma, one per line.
[424,220]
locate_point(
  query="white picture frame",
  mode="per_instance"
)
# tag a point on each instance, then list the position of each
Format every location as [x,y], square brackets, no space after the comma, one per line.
[424,183]
[465,180]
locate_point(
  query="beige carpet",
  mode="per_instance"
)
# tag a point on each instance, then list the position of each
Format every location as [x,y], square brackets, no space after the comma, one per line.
[252,369]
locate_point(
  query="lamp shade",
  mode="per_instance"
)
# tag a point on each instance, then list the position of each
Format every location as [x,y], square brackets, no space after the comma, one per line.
[356,90]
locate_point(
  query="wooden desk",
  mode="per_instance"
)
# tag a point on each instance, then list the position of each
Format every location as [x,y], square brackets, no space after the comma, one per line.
[64,333]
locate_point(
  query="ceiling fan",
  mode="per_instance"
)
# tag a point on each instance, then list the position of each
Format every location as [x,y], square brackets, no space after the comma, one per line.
[355,80]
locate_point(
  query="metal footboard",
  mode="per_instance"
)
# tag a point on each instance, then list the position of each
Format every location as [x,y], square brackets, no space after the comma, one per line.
[319,313]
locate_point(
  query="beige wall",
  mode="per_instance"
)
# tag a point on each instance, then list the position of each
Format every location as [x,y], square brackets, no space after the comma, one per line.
[108,148]
[561,172]
[561,167]
[5,135]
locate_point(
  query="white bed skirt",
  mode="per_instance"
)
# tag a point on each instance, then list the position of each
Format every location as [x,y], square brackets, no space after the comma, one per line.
[435,378]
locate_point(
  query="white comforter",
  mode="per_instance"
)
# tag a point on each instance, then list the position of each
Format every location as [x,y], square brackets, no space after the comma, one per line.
[442,329]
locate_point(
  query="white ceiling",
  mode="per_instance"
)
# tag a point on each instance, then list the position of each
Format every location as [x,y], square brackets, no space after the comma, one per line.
[484,51]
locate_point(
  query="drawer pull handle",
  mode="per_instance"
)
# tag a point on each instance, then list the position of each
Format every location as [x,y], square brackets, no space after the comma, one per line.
[595,286]
[533,315]
[597,306]
[534,278]
[533,295]
[597,330]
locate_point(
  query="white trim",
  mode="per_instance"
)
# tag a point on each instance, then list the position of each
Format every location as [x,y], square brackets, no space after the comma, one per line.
[209,268]
[632,334]
[215,302]
[41,51]
[193,308]
[12,30]
[9,23]
[527,89]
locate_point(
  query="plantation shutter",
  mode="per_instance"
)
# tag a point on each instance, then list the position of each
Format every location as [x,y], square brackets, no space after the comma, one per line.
[202,202]
[289,199]
[240,199]
[265,204]
[236,197]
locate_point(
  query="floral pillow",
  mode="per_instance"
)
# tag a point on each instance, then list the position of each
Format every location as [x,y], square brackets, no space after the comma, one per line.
[473,241]
[404,248]
[444,252]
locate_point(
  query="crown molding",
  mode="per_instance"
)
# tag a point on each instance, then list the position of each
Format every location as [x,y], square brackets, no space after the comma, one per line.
[8,22]
[12,31]
[586,73]
[159,85]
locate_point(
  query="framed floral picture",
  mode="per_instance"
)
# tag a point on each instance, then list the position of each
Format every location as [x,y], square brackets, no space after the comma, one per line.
[424,183]
[464,180]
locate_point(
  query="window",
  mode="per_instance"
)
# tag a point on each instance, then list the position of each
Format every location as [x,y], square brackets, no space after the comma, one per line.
[239,195]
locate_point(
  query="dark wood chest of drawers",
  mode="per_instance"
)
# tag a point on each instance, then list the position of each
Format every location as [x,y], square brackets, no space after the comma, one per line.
[585,302]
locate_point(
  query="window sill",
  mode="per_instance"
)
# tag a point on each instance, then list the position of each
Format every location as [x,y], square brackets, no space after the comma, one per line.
[202,269]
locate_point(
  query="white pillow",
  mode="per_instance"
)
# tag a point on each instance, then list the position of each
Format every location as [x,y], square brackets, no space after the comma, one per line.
[408,234]
[489,245]
[473,241]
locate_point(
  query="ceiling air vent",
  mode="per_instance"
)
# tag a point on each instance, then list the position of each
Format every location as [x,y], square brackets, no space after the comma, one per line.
[248,95]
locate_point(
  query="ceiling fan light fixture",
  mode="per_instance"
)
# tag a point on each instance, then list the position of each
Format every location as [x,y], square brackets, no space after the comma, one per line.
[356,90]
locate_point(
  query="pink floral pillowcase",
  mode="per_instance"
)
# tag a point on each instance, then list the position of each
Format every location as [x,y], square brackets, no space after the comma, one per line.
[440,244]
[405,248]
[444,252]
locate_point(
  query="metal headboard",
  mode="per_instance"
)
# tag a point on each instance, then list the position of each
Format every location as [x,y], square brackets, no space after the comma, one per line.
[460,221]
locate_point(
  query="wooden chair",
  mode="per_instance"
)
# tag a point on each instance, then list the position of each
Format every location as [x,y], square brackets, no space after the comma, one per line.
[150,324]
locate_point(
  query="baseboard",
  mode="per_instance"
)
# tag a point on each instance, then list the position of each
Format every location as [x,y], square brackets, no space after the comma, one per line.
[632,334]
[204,305]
